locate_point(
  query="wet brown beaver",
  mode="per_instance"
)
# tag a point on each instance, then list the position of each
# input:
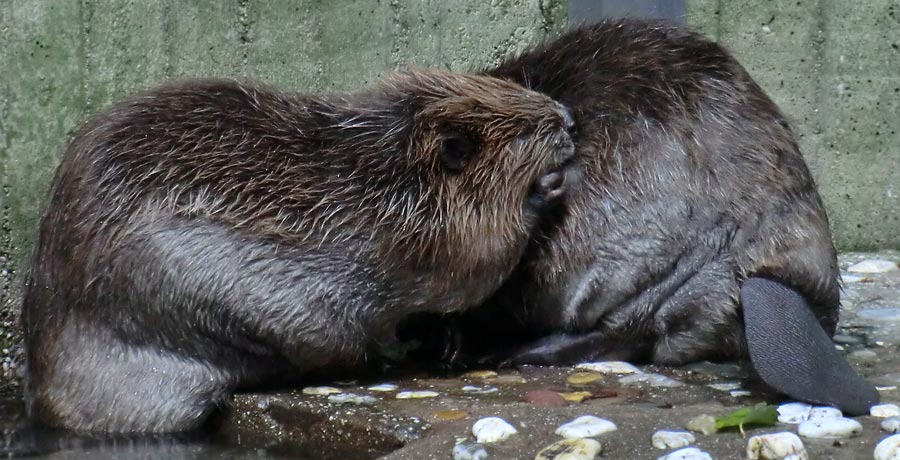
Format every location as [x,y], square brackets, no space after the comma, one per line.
[697,221]
[214,235]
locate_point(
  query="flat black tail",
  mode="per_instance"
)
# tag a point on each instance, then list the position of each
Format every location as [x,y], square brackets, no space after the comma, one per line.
[794,355]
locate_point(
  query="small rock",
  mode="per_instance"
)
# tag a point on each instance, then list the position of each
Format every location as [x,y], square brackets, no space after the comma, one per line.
[570,449]
[576,396]
[688,453]
[863,356]
[824,412]
[888,448]
[480,375]
[873,266]
[880,314]
[586,426]
[884,410]
[583,378]
[469,452]
[479,390]
[492,429]
[886,388]
[663,439]
[384,387]
[740,393]
[829,428]
[848,278]
[545,398]
[321,391]
[891,424]
[449,415]
[350,398]
[610,367]
[725,386]
[844,339]
[794,413]
[776,446]
[417,394]
[654,380]
[704,424]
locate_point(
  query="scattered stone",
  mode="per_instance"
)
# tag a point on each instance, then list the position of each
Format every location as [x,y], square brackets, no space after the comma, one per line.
[654,380]
[663,439]
[417,394]
[891,424]
[873,266]
[610,367]
[469,452]
[844,339]
[725,386]
[863,356]
[688,453]
[829,428]
[583,378]
[586,426]
[480,375]
[350,398]
[704,424]
[888,448]
[740,393]
[824,412]
[479,390]
[571,449]
[321,391]
[576,396]
[450,415]
[794,413]
[880,314]
[848,278]
[492,429]
[545,398]
[776,446]
[382,388]
[884,410]
[886,388]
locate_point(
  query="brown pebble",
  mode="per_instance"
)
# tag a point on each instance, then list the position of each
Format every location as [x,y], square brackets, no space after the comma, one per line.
[582,378]
[480,375]
[545,398]
[448,415]
[576,396]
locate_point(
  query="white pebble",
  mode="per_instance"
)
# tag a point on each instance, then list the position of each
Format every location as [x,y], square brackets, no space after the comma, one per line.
[663,439]
[469,452]
[776,446]
[888,448]
[479,390]
[417,394]
[585,426]
[822,413]
[740,393]
[610,367]
[384,387]
[571,449]
[321,391]
[350,398]
[794,413]
[874,266]
[891,424]
[654,380]
[492,429]
[725,386]
[688,453]
[886,388]
[830,428]
[884,410]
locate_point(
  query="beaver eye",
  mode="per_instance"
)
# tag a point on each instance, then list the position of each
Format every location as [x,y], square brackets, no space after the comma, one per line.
[456,149]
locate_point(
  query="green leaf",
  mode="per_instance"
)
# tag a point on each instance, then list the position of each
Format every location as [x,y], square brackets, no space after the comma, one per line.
[761,414]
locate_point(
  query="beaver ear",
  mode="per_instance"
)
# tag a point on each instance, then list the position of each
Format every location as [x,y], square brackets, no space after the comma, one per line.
[456,149]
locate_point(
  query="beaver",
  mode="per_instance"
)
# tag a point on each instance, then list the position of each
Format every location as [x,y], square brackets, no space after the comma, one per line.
[213,235]
[696,233]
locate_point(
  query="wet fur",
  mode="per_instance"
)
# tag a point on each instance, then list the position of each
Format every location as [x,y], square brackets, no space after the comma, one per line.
[213,235]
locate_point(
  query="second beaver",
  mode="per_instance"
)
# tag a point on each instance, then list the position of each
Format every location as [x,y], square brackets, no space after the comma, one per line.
[213,235]
[697,232]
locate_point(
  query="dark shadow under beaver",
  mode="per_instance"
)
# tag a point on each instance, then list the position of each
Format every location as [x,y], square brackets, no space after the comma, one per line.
[697,232]
[213,235]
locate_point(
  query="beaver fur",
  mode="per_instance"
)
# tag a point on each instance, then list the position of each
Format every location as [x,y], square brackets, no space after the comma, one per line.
[213,235]
[693,183]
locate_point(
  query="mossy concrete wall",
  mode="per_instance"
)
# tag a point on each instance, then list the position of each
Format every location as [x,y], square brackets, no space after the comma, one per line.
[832,66]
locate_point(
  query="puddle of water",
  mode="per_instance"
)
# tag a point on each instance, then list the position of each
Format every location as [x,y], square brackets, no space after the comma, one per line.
[19,439]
